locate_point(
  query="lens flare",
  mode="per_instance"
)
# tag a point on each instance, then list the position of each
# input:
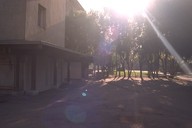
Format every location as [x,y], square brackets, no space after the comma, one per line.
[166,43]
[129,7]
[83,94]
[123,7]
[75,114]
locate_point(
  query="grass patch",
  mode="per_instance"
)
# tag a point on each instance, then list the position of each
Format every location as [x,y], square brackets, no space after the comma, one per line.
[135,73]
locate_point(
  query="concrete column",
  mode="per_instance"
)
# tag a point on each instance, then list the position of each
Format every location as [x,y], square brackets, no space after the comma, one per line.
[55,75]
[17,74]
[33,72]
[68,72]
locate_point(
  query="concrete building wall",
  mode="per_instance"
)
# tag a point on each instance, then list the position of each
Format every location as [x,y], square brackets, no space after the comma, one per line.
[12,19]
[54,31]
[44,73]
[51,72]
[27,73]
[31,73]
[64,70]
[15,72]
[7,71]
[34,70]
[75,70]
[60,71]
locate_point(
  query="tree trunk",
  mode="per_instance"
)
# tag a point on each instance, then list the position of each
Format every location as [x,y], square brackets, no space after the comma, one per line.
[141,74]
[119,69]
[103,71]
[94,70]
[157,65]
[123,66]
[130,70]
[97,68]
[140,68]
[129,66]
[149,69]
[165,64]
[116,64]
[172,68]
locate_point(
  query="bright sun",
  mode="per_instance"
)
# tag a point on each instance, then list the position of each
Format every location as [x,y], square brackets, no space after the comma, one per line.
[123,7]
[129,7]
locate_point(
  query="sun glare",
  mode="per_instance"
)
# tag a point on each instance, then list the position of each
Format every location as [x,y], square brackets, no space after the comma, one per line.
[129,7]
[122,7]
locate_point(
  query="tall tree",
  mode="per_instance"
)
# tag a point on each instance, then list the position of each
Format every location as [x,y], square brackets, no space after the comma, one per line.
[82,32]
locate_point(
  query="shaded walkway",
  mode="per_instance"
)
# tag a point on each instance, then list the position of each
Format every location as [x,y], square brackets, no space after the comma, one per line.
[110,103]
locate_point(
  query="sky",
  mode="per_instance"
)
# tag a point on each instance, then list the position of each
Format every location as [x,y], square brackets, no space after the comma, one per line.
[99,4]
[92,4]
[127,7]
[174,16]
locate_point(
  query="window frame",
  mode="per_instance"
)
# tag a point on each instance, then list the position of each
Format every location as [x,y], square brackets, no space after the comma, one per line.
[41,16]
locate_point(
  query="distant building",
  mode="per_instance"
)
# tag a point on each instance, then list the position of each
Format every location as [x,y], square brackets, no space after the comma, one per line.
[33,56]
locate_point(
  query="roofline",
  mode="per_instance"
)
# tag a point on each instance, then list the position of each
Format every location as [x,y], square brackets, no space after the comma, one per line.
[26,42]
[80,5]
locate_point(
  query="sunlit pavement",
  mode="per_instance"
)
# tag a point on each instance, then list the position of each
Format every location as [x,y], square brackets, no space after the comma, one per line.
[110,103]
[185,77]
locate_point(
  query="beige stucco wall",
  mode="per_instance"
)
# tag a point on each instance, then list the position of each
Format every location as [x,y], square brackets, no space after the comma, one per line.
[55,21]
[12,19]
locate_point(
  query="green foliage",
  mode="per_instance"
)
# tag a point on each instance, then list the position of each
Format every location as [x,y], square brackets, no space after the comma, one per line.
[135,73]
[118,42]
[82,32]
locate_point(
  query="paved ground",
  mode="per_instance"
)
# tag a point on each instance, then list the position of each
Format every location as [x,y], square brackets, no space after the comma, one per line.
[185,77]
[112,103]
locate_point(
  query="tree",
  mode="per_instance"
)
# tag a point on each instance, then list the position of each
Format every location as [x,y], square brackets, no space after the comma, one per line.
[82,32]
[174,19]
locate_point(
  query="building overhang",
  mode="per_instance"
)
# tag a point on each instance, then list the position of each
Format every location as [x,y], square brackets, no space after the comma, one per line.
[37,47]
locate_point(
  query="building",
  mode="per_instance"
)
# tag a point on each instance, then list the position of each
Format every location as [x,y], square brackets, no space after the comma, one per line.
[73,5]
[33,56]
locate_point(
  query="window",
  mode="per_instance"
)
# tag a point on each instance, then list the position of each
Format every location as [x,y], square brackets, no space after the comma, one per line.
[41,16]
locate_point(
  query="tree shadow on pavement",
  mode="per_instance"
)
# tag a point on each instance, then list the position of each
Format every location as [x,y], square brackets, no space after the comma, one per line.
[148,103]
[113,103]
